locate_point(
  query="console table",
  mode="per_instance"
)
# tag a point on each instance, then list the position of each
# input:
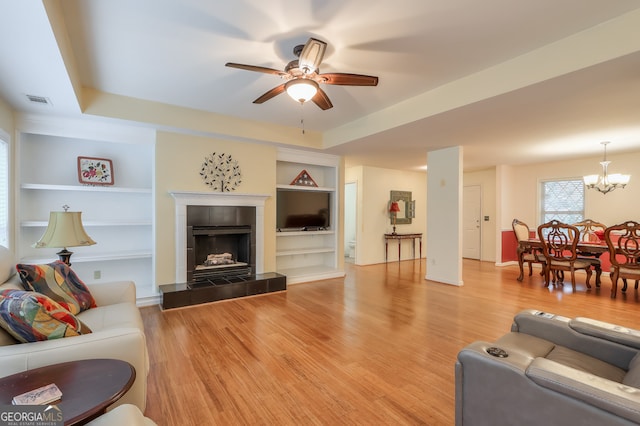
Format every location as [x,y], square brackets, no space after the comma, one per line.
[400,237]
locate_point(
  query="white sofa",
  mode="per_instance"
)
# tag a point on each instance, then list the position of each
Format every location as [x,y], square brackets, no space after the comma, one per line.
[117,332]
[123,415]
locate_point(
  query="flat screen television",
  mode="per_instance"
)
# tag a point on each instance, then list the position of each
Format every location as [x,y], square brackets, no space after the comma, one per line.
[303,210]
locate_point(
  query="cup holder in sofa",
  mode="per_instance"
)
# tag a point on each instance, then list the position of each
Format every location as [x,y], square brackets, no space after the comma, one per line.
[497,352]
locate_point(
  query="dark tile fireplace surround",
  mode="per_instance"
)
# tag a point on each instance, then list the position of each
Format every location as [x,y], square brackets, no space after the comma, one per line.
[216,232]
[220,229]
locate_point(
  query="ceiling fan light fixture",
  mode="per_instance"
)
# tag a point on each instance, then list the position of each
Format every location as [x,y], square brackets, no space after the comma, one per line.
[301,89]
[302,76]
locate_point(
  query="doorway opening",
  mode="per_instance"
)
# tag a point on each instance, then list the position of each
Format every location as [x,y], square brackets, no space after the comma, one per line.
[350,219]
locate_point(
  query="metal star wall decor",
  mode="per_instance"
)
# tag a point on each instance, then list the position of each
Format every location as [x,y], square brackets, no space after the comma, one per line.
[221,172]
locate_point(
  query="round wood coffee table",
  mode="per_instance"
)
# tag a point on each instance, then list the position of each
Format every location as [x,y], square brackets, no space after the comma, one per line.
[88,386]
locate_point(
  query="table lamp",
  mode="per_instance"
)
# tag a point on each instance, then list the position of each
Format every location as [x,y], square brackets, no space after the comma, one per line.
[65,230]
[394,208]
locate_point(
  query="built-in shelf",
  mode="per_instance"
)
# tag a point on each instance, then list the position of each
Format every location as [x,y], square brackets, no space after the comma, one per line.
[99,257]
[302,233]
[118,217]
[310,273]
[91,188]
[309,255]
[305,188]
[86,224]
[306,251]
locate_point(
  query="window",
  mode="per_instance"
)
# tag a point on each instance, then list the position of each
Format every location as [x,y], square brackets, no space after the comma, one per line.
[562,200]
[4,193]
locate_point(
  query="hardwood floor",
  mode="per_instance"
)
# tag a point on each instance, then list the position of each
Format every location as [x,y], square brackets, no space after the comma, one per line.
[377,347]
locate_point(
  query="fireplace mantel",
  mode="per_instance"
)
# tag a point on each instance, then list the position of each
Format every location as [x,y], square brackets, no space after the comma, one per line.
[193,198]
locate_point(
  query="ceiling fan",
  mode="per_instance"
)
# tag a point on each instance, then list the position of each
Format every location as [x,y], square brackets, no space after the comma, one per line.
[302,76]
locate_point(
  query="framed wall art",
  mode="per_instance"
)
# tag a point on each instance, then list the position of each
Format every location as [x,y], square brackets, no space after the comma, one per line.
[221,172]
[95,171]
[407,206]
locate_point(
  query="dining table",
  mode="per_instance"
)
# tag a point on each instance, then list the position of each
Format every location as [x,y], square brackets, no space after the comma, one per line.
[592,249]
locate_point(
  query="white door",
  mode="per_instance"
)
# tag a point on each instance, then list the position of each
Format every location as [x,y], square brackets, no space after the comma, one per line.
[471,221]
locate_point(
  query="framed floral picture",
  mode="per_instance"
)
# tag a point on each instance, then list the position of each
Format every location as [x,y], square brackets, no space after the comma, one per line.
[95,171]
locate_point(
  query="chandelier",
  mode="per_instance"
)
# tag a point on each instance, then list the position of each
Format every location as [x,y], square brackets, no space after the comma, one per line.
[606,182]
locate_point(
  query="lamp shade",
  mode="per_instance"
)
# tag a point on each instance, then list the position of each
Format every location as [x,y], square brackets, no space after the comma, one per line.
[591,179]
[394,207]
[65,230]
[301,89]
[618,179]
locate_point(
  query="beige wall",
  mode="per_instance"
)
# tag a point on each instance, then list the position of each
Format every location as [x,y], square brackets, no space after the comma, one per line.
[170,117]
[374,186]
[506,194]
[178,161]
[523,196]
[372,220]
[505,205]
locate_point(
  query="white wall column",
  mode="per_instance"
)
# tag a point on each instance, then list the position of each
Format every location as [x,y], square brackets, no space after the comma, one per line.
[444,216]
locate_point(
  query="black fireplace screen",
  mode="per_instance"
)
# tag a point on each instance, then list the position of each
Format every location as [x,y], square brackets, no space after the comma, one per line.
[225,247]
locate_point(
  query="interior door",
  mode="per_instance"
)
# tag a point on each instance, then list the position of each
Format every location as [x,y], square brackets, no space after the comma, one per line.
[471,222]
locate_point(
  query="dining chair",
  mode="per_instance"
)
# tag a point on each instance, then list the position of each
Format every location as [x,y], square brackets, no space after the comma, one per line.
[623,241]
[591,232]
[527,255]
[559,246]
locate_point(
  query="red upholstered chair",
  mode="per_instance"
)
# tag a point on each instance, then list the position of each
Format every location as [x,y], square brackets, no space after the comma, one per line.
[624,251]
[559,246]
[591,231]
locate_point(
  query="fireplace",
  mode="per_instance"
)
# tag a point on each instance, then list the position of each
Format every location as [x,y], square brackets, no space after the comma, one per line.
[219,226]
[221,241]
[184,200]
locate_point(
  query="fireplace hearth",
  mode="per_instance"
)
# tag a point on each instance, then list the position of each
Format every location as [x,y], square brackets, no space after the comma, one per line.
[216,289]
[218,224]
[215,225]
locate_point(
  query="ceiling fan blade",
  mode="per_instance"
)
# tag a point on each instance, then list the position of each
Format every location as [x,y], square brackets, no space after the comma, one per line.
[311,55]
[270,94]
[256,68]
[322,100]
[342,79]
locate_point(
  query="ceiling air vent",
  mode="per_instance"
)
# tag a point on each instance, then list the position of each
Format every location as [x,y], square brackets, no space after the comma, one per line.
[39,99]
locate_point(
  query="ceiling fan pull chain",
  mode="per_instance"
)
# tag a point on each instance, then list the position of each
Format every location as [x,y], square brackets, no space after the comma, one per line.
[302,116]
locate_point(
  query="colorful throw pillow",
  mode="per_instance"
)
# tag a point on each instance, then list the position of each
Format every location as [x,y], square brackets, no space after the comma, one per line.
[57,281]
[30,317]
